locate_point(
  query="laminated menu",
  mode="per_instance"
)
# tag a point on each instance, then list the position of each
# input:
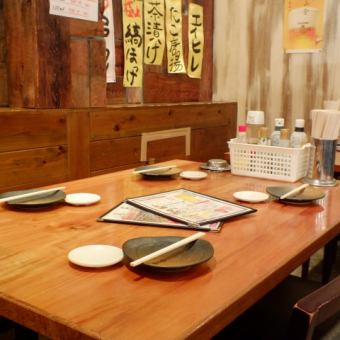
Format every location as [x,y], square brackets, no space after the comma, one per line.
[191,209]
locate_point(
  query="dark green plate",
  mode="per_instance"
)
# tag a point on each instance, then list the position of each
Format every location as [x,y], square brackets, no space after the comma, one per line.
[158,174]
[38,201]
[179,259]
[308,195]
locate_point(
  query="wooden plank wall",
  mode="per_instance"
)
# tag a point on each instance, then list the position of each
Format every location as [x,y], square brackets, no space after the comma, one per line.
[253,69]
[63,61]
[53,62]
[40,147]
[3,65]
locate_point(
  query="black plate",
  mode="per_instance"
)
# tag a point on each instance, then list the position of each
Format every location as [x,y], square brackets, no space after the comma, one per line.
[180,259]
[38,201]
[308,195]
[158,174]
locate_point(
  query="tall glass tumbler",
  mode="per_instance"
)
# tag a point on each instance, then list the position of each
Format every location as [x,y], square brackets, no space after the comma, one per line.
[321,169]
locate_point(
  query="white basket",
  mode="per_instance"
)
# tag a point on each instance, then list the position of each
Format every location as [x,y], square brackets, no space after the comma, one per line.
[271,162]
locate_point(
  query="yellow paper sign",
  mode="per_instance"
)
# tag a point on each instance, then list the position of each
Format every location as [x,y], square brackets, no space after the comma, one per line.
[154,31]
[133,42]
[196,40]
[303,25]
[174,40]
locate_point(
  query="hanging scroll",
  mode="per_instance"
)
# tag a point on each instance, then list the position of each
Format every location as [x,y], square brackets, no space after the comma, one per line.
[196,40]
[110,42]
[133,42]
[174,40]
[154,35]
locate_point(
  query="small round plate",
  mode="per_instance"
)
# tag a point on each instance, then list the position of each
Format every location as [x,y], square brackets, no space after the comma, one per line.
[82,198]
[251,196]
[95,255]
[194,175]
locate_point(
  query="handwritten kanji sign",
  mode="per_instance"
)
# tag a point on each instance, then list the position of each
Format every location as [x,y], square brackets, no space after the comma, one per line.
[196,40]
[174,42]
[133,42]
[154,31]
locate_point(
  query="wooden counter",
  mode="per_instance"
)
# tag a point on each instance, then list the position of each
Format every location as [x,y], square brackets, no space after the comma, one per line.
[39,288]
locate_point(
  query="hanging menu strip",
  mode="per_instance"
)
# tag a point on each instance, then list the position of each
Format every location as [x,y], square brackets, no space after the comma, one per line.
[78,9]
[174,39]
[133,42]
[196,40]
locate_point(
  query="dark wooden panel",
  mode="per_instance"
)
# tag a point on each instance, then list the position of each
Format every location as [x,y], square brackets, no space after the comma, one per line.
[97,72]
[210,143]
[78,142]
[79,91]
[32,168]
[28,129]
[132,120]
[166,149]
[115,152]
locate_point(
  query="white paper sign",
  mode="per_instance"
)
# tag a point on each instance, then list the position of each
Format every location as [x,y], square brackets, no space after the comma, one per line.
[78,9]
[110,43]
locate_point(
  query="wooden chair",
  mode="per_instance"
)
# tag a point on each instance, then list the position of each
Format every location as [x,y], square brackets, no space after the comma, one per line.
[296,310]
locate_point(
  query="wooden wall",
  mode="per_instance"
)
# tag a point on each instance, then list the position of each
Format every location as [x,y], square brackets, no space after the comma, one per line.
[250,66]
[3,67]
[62,61]
[40,147]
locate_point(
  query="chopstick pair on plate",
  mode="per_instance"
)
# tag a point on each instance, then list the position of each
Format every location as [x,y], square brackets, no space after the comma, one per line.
[167,249]
[294,191]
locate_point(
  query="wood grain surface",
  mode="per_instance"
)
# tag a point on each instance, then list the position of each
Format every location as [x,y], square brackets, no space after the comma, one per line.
[42,290]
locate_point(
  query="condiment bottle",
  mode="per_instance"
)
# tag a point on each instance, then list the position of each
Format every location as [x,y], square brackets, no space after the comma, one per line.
[298,137]
[242,134]
[284,138]
[275,136]
[255,120]
[263,138]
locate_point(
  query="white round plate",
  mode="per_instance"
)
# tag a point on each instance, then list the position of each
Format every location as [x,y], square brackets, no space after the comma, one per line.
[95,255]
[82,199]
[251,196]
[193,175]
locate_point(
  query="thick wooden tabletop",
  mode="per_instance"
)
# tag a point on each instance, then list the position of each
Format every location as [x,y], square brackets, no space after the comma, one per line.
[42,290]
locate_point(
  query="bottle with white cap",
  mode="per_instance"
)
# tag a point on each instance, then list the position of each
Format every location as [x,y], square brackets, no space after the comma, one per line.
[255,120]
[275,136]
[298,137]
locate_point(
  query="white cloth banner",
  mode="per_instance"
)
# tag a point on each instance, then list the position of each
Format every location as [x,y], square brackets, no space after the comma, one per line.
[80,9]
[110,42]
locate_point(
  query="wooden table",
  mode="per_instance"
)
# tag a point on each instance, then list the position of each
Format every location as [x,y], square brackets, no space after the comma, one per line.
[39,288]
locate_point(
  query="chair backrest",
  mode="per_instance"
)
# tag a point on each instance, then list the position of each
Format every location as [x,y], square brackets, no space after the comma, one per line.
[314,309]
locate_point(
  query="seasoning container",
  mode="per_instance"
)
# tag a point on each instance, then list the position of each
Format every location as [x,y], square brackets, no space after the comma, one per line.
[298,137]
[242,134]
[263,136]
[255,120]
[284,138]
[275,136]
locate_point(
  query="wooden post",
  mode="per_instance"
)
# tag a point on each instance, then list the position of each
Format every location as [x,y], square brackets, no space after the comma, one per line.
[53,62]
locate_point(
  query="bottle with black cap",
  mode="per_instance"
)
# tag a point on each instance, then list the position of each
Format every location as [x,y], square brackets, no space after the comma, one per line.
[298,137]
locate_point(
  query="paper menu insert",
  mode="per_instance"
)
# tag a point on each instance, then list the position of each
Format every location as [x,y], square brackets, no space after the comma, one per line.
[78,9]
